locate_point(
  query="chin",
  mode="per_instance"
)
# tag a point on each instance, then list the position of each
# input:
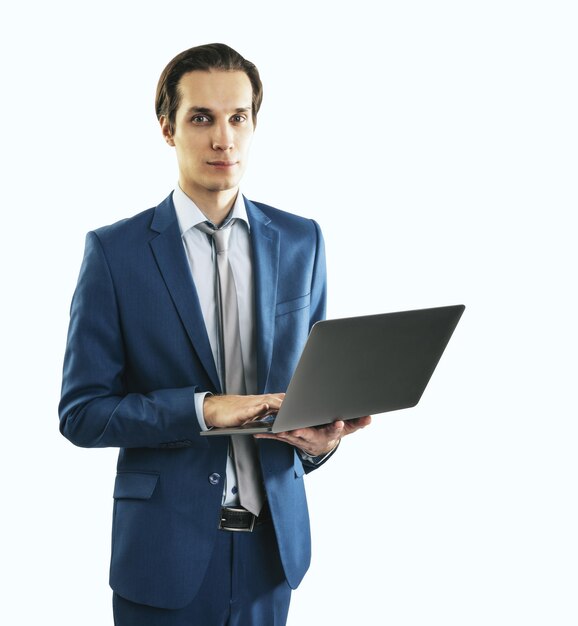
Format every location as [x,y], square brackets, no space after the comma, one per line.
[224,185]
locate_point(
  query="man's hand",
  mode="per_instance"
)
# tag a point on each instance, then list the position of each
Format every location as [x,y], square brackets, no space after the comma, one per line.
[223,411]
[322,439]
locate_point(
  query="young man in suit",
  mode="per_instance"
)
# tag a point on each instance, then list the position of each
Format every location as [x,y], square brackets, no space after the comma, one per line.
[146,369]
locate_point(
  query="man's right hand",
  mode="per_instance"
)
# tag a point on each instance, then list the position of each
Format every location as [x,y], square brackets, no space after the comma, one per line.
[223,411]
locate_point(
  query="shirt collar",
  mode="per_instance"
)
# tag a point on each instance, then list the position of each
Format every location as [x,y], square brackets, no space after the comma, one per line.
[189,214]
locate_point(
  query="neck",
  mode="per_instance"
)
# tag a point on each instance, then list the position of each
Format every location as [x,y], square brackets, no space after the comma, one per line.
[215,205]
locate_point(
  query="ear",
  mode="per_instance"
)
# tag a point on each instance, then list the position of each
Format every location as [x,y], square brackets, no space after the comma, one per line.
[166,130]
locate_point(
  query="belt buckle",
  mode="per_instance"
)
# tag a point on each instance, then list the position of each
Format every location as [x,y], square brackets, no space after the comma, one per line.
[249,529]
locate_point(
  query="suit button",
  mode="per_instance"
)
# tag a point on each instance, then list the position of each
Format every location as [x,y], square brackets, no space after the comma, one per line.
[215,478]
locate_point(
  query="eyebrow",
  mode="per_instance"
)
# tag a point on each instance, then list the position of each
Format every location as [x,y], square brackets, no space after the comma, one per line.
[195,109]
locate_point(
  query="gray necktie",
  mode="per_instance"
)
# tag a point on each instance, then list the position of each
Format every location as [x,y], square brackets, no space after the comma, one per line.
[251,492]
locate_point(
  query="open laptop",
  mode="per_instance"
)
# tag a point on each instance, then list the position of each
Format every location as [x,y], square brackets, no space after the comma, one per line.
[359,366]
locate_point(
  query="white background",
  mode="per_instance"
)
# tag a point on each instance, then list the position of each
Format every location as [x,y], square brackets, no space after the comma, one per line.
[436,144]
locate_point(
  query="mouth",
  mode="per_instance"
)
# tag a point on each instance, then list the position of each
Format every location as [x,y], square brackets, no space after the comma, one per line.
[222,164]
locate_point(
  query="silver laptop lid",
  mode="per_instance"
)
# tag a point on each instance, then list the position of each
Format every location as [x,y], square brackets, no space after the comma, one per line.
[366,365]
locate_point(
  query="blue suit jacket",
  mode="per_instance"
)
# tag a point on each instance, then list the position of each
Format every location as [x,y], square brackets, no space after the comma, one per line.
[138,351]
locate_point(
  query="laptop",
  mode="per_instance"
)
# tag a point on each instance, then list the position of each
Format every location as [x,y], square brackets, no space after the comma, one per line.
[358,366]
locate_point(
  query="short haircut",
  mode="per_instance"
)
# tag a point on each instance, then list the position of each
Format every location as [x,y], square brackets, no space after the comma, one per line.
[213,56]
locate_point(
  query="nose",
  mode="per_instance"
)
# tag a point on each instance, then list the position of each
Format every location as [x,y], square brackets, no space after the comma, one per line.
[223,137]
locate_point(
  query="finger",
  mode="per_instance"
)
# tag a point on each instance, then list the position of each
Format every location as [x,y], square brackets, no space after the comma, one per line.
[275,400]
[267,436]
[362,422]
[258,410]
[353,426]
[366,419]
[299,432]
[329,430]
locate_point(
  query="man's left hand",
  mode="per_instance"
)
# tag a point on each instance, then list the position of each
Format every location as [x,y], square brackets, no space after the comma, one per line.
[320,440]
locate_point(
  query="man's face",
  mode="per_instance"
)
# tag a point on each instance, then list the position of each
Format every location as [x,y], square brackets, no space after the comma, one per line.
[213,130]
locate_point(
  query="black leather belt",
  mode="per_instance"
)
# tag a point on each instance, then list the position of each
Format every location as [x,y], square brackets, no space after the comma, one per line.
[238,519]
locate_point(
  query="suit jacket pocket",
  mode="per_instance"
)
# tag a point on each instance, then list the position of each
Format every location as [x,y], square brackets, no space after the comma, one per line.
[135,485]
[293,305]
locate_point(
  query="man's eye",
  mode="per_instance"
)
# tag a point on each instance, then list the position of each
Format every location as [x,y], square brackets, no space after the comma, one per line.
[199,119]
[238,118]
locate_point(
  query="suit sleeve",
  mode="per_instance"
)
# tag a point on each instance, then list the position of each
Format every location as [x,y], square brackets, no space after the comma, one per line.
[95,409]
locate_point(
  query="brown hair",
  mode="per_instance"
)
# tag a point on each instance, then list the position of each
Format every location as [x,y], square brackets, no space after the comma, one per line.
[211,56]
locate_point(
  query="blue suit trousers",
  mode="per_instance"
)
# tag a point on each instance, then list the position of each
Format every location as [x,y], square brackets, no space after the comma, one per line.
[243,586]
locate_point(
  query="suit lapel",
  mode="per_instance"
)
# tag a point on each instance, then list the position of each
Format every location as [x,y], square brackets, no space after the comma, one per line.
[265,244]
[171,259]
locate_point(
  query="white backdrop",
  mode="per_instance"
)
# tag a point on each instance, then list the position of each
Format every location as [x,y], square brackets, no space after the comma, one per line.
[436,144]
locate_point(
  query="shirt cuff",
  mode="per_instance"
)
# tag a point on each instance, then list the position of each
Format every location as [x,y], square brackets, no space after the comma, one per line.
[316,460]
[199,401]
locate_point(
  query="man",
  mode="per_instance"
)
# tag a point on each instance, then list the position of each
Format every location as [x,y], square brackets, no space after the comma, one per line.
[150,354]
